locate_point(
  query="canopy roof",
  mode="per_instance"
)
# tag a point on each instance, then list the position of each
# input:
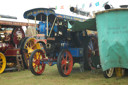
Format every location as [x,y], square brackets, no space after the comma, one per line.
[39,13]
[42,13]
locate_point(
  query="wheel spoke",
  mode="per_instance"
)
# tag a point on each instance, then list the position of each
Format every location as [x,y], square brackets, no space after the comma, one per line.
[70,60]
[30,45]
[36,56]
[35,61]
[62,66]
[63,62]
[65,69]
[33,45]
[38,68]
[63,57]
[26,46]
[39,55]
[109,72]
[34,66]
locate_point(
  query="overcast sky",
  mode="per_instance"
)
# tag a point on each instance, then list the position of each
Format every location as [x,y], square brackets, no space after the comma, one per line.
[18,7]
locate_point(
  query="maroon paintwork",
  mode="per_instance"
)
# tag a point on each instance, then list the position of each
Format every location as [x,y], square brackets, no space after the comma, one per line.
[17,35]
[12,52]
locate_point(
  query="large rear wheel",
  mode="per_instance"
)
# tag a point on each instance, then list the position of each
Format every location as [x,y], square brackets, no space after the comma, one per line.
[93,53]
[36,65]
[2,63]
[28,47]
[65,63]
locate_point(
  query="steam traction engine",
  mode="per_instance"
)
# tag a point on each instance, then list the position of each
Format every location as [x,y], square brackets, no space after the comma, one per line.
[9,46]
[12,40]
[63,46]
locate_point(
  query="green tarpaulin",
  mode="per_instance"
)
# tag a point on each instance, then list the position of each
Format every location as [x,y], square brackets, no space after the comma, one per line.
[112,27]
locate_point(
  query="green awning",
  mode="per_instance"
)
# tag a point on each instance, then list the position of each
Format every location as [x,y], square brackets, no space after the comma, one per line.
[89,24]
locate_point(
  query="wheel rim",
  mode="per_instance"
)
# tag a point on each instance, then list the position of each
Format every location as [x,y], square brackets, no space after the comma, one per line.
[30,46]
[66,63]
[2,63]
[37,64]
[42,46]
[109,72]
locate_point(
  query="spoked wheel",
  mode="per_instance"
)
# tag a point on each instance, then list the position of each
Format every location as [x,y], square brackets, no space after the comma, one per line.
[64,63]
[28,47]
[2,63]
[36,65]
[93,53]
[108,73]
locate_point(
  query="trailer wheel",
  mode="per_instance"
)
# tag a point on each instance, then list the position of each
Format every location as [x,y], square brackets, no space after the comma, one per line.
[64,63]
[2,63]
[35,64]
[108,73]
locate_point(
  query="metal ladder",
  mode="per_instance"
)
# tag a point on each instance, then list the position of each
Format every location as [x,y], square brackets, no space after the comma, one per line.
[19,60]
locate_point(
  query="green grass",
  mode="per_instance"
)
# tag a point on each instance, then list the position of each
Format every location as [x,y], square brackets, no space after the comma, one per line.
[52,77]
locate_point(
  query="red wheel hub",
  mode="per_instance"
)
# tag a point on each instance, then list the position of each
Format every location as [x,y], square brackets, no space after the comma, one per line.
[37,64]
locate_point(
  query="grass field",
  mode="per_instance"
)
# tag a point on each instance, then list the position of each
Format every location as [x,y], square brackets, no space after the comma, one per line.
[52,77]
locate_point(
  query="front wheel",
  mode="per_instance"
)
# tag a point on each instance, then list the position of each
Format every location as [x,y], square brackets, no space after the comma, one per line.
[35,64]
[108,73]
[2,62]
[64,63]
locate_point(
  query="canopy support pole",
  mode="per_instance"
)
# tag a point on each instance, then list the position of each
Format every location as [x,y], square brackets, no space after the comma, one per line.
[28,22]
[47,25]
[35,22]
[41,17]
[52,26]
